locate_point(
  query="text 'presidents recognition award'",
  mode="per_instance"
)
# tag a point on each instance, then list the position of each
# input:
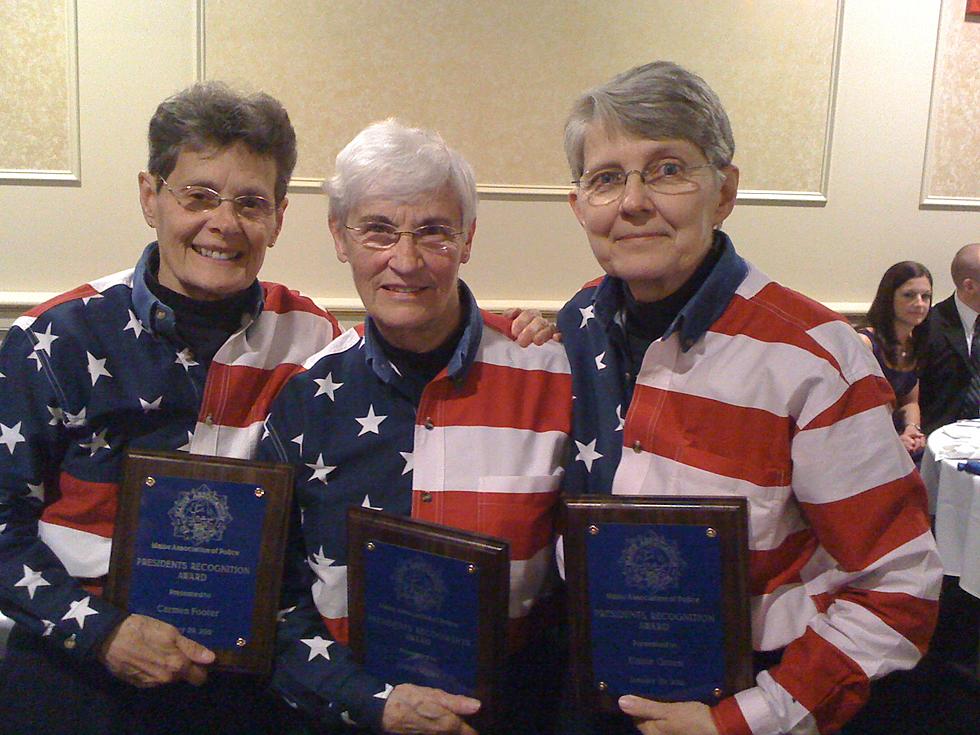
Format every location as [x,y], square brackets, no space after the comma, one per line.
[198,543]
[658,597]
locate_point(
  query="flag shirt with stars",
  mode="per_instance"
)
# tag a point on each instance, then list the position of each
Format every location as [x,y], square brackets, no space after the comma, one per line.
[481,449]
[94,372]
[756,391]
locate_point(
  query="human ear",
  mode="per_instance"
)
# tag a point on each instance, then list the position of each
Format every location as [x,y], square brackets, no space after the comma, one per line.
[468,245]
[339,240]
[574,202]
[280,211]
[729,192]
[148,197]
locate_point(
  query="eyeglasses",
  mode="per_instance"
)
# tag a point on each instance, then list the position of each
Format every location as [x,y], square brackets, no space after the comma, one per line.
[607,185]
[383,236]
[203,199]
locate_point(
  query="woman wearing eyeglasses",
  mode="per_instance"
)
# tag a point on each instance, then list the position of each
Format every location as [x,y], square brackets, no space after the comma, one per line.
[182,352]
[695,374]
[428,410]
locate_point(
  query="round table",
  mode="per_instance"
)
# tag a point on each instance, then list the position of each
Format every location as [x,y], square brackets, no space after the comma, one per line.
[954,498]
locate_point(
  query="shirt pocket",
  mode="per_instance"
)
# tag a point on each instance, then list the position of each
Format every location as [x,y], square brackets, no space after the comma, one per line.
[724,473]
[520,509]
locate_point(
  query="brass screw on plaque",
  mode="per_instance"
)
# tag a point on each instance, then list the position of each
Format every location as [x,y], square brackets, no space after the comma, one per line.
[711,533]
[259,492]
[717,693]
[603,686]
[471,569]
[150,482]
[594,530]
[240,642]
[369,546]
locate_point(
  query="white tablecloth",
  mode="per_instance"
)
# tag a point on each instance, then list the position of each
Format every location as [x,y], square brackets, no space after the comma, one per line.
[954,498]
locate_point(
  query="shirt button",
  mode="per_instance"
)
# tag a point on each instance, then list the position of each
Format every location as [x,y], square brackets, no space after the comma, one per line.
[629,377]
[426,497]
[637,447]
[429,426]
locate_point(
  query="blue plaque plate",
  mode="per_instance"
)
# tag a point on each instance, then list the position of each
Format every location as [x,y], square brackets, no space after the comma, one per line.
[428,605]
[658,597]
[196,555]
[195,540]
[655,605]
[421,621]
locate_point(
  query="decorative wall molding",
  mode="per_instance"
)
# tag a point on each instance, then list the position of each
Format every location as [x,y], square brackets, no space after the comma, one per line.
[931,202]
[201,44]
[70,176]
[952,152]
[231,41]
[560,193]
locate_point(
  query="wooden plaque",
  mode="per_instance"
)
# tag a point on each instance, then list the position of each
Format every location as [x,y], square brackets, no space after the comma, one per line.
[427,604]
[199,543]
[658,597]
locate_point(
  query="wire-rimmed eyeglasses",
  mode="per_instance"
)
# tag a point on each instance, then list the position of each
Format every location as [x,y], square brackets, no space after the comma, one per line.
[203,199]
[607,185]
[383,236]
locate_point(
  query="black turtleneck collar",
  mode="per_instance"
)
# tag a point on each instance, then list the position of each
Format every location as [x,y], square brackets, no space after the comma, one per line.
[418,369]
[649,320]
[646,322]
[202,325]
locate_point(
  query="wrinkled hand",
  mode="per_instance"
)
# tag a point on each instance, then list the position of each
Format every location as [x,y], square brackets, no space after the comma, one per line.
[147,652]
[530,327]
[425,711]
[669,718]
[912,438]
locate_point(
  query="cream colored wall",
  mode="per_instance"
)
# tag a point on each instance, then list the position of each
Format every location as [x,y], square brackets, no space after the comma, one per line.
[529,250]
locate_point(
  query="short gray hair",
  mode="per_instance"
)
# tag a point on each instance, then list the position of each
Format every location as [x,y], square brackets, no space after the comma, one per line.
[656,101]
[211,114]
[391,160]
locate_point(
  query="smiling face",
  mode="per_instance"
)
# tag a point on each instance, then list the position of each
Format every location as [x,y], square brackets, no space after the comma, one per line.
[654,242]
[912,301]
[211,255]
[411,294]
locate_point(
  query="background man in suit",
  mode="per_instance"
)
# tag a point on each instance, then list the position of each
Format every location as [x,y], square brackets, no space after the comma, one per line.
[949,390]
[944,376]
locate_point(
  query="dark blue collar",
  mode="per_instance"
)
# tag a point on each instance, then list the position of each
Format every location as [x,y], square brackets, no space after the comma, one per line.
[155,315]
[459,363]
[700,312]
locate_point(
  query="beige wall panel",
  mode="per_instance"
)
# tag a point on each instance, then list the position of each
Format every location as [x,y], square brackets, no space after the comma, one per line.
[38,90]
[131,54]
[529,249]
[952,172]
[497,77]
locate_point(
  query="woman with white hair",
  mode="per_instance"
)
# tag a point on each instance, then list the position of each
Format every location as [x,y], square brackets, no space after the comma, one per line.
[428,410]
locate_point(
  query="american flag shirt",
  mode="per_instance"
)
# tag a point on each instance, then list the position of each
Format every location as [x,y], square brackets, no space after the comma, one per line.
[756,391]
[482,450]
[99,370]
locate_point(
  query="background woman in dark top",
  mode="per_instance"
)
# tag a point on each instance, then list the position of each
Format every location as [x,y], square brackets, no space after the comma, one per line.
[899,307]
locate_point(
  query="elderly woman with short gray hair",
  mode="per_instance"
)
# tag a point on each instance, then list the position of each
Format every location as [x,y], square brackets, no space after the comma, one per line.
[696,374]
[429,410]
[182,352]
